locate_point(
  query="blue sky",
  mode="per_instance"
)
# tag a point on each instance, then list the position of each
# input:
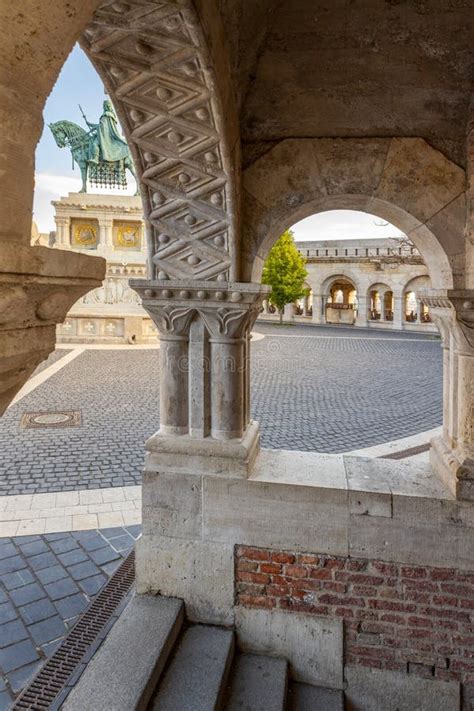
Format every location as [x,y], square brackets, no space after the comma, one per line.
[79,83]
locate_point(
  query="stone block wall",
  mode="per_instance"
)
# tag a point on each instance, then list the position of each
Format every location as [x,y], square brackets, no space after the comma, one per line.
[412,619]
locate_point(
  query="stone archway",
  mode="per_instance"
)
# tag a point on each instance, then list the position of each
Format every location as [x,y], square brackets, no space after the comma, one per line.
[402,180]
[155,60]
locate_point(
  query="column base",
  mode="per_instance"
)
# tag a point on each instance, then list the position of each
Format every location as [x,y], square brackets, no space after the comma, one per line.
[455,468]
[186,455]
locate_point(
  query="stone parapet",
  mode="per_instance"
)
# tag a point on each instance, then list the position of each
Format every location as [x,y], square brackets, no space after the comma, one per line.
[38,286]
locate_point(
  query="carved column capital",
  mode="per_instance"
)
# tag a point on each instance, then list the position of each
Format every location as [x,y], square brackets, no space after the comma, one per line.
[453,313]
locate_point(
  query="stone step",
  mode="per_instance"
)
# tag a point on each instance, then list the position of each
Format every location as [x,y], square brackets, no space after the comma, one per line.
[196,677]
[257,684]
[304,697]
[125,670]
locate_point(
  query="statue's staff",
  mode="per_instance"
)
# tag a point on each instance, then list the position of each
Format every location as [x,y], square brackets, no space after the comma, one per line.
[85,119]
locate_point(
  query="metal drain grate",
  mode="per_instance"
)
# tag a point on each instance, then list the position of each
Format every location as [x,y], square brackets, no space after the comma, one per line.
[82,640]
[404,453]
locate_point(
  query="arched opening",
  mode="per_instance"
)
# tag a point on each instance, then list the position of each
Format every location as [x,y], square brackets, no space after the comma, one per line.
[380,303]
[415,310]
[340,301]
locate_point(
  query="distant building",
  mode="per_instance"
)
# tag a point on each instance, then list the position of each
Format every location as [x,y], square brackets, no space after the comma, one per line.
[364,283]
[110,226]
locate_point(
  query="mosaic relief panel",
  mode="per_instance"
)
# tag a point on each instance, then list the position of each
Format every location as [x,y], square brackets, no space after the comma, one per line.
[127,235]
[154,62]
[84,234]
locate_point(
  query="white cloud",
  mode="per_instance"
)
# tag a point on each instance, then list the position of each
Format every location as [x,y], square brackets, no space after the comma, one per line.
[50,187]
[343,224]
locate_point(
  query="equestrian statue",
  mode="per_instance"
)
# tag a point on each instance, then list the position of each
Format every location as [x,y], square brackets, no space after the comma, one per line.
[100,152]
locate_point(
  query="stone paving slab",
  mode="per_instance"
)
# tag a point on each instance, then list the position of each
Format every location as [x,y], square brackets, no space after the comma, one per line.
[46,583]
[319,389]
[27,514]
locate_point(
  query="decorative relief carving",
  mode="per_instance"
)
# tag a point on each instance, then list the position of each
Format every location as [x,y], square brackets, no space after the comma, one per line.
[154,61]
[85,234]
[127,235]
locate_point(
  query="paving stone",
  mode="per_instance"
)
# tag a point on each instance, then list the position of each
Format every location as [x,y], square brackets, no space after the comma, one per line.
[64,545]
[26,594]
[47,630]
[44,560]
[11,632]
[33,548]
[104,555]
[7,550]
[122,543]
[92,585]
[61,588]
[21,677]
[7,612]
[16,580]
[5,701]
[83,570]
[72,605]
[73,557]
[49,575]
[37,611]
[17,655]
[11,564]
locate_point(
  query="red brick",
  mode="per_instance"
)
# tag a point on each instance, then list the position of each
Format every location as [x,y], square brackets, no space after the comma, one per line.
[372,663]
[334,563]
[336,600]
[395,642]
[376,627]
[271,568]
[321,573]
[355,564]
[295,571]
[460,665]
[362,590]
[344,612]
[412,572]
[445,600]
[466,604]
[443,574]
[459,590]
[252,553]
[305,559]
[417,596]
[363,651]
[419,621]
[395,619]
[277,590]
[305,584]
[394,606]
[247,566]
[420,585]
[333,587]
[257,601]
[384,568]
[249,589]
[361,579]
[282,558]
[258,578]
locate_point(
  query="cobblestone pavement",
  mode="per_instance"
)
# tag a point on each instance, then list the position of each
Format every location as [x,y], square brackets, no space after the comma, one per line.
[324,389]
[46,582]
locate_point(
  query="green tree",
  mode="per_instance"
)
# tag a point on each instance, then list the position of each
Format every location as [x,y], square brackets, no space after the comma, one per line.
[284,270]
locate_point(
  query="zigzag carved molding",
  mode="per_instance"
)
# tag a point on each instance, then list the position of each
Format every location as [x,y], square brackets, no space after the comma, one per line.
[154,62]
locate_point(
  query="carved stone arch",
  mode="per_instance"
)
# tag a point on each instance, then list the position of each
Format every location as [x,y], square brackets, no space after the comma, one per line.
[154,60]
[329,281]
[402,180]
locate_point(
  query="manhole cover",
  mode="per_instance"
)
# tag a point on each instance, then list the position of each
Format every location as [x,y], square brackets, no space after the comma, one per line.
[62,418]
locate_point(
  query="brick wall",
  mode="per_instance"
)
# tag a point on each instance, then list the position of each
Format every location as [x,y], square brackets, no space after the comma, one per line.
[412,619]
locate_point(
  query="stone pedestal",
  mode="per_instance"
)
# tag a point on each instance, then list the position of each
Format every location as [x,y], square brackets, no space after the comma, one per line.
[452,454]
[397,312]
[318,309]
[361,311]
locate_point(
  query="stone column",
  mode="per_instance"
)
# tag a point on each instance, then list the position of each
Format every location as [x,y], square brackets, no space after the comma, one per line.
[398,312]
[318,306]
[382,305]
[63,239]
[305,305]
[289,312]
[361,311]
[106,233]
[452,454]
[204,357]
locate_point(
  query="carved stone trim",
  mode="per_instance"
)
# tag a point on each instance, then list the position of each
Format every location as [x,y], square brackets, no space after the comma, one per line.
[154,61]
